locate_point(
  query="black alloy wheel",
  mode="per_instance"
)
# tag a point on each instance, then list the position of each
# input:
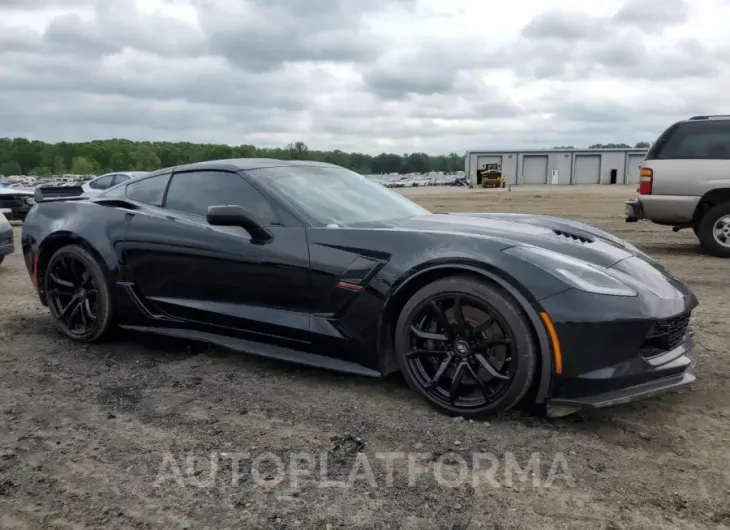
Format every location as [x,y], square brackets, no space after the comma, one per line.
[77,293]
[466,347]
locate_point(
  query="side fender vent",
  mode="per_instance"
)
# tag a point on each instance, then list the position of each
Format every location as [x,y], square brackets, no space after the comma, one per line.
[117,203]
[573,237]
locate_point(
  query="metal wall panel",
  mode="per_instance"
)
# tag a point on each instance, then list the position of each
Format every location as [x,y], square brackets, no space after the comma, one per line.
[534,169]
[587,169]
[632,168]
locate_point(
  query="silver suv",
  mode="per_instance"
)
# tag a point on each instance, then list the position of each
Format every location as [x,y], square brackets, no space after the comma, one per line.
[685,181]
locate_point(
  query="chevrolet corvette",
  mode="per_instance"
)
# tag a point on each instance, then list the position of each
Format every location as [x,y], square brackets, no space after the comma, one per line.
[311,263]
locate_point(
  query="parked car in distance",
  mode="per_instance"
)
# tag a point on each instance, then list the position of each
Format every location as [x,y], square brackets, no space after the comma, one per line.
[108,180]
[6,238]
[87,188]
[309,262]
[15,202]
[685,181]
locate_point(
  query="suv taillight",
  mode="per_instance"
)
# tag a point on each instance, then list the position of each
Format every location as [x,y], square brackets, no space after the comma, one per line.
[645,181]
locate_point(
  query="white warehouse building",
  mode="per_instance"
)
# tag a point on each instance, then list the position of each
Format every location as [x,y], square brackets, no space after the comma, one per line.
[560,166]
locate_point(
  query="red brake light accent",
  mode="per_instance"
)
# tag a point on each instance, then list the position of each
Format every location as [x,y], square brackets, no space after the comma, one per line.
[348,286]
[646,180]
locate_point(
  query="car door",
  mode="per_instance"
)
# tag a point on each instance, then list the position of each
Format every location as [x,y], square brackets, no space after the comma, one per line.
[216,276]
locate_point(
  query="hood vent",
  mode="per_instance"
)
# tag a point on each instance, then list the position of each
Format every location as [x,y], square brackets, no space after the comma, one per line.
[572,237]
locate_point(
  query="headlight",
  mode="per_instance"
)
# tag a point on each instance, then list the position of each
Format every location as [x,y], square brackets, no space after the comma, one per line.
[574,272]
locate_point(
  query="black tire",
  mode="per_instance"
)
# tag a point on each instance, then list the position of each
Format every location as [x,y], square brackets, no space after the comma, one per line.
[519,357]
[94,315]
[706,229]
[696,230]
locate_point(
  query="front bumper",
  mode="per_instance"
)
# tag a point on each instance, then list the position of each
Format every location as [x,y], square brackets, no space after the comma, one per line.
[618,349]
[669,371]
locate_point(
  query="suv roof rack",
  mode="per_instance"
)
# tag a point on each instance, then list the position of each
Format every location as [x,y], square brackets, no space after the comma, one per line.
[710,116]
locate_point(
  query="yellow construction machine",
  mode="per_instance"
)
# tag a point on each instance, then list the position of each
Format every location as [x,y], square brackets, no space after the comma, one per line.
[490,176]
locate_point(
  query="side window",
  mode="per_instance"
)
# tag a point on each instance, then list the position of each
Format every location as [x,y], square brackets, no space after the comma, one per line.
[102,183]
[118,179]
[193,192]
[150,190]
[701,139]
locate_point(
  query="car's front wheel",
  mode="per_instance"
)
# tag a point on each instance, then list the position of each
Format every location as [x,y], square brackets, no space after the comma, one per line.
[78,294]
[466,347]
[714,231]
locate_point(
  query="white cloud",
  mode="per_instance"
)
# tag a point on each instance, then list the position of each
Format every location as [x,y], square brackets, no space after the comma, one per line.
[361,75]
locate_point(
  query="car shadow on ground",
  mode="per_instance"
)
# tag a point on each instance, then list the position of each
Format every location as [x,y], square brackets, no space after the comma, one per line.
[134,348]
[140,351]
[673,249]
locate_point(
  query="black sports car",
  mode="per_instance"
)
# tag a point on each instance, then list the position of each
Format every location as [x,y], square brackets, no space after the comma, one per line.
[312,263]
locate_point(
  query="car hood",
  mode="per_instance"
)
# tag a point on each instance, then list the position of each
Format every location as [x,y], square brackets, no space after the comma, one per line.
[567,237]
[571,238]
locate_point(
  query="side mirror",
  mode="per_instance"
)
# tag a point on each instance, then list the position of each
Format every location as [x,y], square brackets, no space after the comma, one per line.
[238,216]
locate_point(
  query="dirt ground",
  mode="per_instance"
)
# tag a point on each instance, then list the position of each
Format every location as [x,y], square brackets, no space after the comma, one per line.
[149,433]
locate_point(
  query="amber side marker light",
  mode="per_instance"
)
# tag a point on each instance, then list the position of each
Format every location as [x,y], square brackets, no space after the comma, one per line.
[557,352]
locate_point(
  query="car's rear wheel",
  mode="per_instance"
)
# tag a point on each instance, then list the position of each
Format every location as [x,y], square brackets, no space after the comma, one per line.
[78,294]
[714,231]
[466,347]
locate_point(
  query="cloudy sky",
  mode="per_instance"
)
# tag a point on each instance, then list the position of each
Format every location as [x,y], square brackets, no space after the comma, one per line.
[361,75]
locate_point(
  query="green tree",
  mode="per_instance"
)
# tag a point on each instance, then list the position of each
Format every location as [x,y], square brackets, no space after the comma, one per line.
[117,162]
[23,156]
[82,166]
[610,146]
[298,151]
[41,171]
[59,167]
[11,167]
[144,159]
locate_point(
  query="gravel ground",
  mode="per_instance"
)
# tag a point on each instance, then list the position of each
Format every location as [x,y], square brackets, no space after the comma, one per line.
[149,433]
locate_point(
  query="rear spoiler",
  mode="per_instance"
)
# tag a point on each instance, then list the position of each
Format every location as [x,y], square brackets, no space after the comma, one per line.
[46,193]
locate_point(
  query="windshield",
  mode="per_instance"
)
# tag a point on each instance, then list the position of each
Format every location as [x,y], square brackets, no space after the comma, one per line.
[335,195]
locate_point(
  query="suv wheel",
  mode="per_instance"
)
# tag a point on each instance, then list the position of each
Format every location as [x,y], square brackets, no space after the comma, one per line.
[714,231]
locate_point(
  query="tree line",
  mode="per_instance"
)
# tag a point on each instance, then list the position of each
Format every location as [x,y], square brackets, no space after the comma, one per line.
[20,156]
[639,145]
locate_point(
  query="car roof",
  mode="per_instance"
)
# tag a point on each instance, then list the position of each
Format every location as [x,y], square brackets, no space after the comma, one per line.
[708,117]
[240,164]
[128,173]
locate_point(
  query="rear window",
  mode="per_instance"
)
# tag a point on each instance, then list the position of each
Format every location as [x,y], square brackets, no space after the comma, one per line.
[694,140]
